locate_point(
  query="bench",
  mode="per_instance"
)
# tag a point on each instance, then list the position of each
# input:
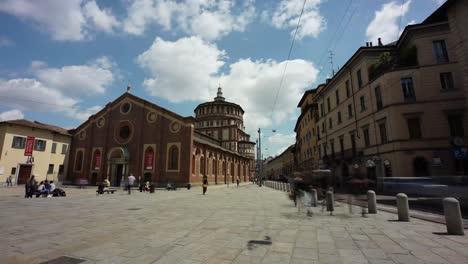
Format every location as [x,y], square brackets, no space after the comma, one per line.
[107,190]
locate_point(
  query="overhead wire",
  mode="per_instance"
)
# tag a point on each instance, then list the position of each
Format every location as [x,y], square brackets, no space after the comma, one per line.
[287,60]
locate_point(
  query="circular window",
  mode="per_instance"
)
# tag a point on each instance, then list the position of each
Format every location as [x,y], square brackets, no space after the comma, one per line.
[82,135]
[125,108]
[124,132]
[101,121]
[151,117]
[174,127]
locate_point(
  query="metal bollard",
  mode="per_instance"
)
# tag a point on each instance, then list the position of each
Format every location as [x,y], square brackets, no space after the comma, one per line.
[314,199]
[371,202]
[453,218]
[403,207]
[330,202]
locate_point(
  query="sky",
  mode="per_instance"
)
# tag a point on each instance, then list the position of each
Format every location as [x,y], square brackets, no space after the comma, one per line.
[62,61]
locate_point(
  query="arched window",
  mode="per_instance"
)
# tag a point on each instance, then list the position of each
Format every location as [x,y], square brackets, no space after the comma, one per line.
[214,167]
[97,160]
[79,161]
[149,158]
[193,164]
[202,166]
[173,158]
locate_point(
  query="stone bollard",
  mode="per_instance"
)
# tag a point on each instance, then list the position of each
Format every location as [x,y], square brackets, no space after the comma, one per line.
[453,218]
[283,186]
[330,202]
[403,207]
[313,194]
[371,202]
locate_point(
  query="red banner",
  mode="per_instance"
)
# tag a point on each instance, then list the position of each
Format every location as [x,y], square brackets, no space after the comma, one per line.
[28,150]
[149,160]
[97,160]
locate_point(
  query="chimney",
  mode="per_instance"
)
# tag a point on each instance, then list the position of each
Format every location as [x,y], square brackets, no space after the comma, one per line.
[370,44]
[380,42]
[367,44]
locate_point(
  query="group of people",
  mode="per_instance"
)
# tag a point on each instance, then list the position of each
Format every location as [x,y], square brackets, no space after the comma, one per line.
[45,188]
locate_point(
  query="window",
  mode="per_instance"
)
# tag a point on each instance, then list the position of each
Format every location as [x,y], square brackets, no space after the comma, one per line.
[323,127]
[325,149]
[332,146]
[174,158]
[456,125]
[365,132]
[440,51]
[337,96]
[64,148]
[319,152]
[328,104]
[383,133]
[414,127]
[321,110]
[363,103]
[342,144]
[359,78]
[51,169]
[18,142]
[39,145]
[408,89]
[330,123]
[348,92]
[54,147]
[378,98]
[446,81]
[353,143]
[339,117]
[13,171]
[61,169]
[350,111]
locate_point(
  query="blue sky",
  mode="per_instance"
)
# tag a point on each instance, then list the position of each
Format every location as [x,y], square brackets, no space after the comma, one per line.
[64,60]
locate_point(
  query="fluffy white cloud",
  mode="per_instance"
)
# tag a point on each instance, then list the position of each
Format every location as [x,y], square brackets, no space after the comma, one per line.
[58,89]
[209,19]
[103,20]
[181,70]
[5,42]
[63,20]
[11,115]
[286,16]
[86,79]
[189,69]
[385,23]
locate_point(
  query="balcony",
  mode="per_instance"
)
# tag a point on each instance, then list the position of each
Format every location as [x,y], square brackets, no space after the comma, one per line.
[387,61]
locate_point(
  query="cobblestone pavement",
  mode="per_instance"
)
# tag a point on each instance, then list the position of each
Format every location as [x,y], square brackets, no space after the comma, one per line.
[228,225]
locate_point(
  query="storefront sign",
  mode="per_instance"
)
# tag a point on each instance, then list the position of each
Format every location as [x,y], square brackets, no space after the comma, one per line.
[97,160]
[28,150]
[149,160]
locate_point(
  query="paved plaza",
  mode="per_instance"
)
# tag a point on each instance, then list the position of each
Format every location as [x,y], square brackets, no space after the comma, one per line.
[228,225]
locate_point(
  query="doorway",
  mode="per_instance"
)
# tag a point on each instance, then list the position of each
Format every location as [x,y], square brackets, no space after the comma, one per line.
[420,167]
[24,174]
[94,178]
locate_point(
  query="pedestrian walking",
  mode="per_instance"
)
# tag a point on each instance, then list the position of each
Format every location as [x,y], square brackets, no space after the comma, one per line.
[205,184]
[131,180]
[238,180]
[141,184]
[9,181]
[30,187]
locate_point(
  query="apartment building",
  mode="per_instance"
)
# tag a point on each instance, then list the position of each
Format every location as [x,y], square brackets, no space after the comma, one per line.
[28,147]
[281,166]
[399,109]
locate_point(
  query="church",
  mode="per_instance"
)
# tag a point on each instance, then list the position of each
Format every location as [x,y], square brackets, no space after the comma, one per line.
[134,136]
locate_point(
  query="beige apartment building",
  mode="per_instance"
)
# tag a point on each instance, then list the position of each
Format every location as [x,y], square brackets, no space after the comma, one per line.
[397,110]
[49,155]
[281,166]
[306,155]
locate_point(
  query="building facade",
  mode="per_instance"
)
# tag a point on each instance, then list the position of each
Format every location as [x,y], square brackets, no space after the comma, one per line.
[134,136]
[397,110]
[280,167]
[44,155]
[223,121]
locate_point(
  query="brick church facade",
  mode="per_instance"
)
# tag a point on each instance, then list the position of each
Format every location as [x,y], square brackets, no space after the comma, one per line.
[133,136]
